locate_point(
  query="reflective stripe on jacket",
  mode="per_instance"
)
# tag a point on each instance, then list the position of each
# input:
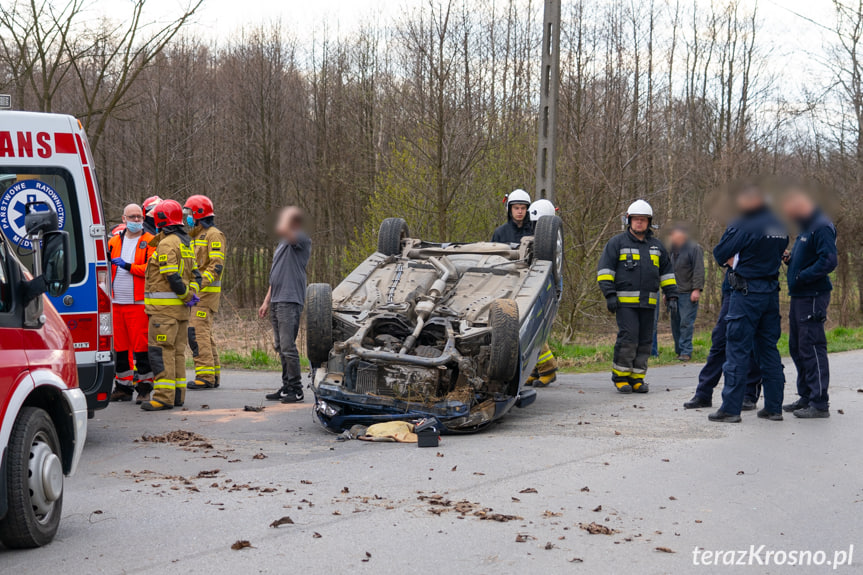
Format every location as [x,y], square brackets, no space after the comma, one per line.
[635,270]
[143,251]
[172,255]
[210,249]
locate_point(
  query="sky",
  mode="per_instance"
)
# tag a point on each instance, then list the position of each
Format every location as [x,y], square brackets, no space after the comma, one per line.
[793,30]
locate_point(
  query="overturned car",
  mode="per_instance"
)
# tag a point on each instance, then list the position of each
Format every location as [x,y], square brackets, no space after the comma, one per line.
[446,332]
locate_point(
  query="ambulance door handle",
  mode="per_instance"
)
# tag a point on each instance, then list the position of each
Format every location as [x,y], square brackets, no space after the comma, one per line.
[68,300]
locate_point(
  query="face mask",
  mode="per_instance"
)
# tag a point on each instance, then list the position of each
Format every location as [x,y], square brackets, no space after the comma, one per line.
[134,227]
[190,221]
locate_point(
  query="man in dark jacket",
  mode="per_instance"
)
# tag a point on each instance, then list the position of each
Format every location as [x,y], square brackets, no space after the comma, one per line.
[809,265]
[752,246]
[688,260]
[518,224]
[633,267]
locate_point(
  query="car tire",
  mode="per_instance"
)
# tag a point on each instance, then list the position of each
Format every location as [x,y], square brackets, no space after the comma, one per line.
[32,520]
[319,322]
[548,244]
[392,233]
[503,321]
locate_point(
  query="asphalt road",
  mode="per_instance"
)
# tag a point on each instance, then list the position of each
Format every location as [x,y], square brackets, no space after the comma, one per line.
[657,475]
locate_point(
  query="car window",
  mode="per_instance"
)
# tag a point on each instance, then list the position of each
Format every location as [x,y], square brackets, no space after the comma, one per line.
[55,186]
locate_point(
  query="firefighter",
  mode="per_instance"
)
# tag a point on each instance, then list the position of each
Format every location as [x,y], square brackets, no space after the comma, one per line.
[148,206]
[633,267]
[545,371]
[210,248]
[752,247]
[129,252]
[518,224]
[171,289]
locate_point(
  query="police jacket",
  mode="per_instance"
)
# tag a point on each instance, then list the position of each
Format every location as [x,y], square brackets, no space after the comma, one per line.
[756,242]
[511,233]
[138,266]
[813,257]
[209,245]
[172,275]
[634,270]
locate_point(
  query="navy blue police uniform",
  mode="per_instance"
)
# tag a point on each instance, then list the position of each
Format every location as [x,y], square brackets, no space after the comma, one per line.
[710,374]
[812,259]
[756,241]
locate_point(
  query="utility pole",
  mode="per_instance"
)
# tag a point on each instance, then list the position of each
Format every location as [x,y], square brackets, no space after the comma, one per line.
[546,150]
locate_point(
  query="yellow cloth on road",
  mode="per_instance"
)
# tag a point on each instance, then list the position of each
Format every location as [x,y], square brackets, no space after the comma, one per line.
[393,431]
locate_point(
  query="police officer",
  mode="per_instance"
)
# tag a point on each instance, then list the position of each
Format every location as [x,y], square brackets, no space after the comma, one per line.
[172,282]
[545,371]
[812,259]
[210,248]
[752,247]
[518,224]
[710,374]
[633,267]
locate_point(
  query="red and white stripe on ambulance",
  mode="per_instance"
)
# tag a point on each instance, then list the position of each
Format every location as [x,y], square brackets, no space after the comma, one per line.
[91,329]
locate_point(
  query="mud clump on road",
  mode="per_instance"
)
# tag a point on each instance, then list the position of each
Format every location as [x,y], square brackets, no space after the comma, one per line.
[180,437]
[439,505]
[595,528]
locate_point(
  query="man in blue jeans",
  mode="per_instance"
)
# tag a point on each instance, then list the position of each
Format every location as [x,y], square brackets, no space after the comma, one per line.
[688,259]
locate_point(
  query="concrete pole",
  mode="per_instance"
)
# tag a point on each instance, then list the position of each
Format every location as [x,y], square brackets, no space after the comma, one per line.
[546,151]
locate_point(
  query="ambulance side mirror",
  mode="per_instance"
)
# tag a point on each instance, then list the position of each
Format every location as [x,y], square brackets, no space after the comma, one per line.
[56,262]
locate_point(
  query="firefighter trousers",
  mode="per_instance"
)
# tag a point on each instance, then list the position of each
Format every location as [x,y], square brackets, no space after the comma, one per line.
[203,345]
[632,348]
[167,344]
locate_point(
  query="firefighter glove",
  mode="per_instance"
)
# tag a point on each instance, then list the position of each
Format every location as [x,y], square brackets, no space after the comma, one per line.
[611,303]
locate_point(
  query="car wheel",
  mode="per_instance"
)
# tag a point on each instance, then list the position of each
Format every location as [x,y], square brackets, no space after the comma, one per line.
[392,233]
[548,244]
[503,321]
[319,323]
[34,482]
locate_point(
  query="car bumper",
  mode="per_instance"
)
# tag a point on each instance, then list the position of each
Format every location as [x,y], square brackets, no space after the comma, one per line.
[76,401]
[96,381]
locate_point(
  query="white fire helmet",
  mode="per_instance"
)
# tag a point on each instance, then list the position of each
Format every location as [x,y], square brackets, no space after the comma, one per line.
[639,208]
[541,208]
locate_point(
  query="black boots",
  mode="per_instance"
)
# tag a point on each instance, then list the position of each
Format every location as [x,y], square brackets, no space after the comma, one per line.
[697,403]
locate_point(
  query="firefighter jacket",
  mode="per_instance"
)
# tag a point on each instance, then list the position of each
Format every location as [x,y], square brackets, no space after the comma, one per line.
[172,275]
[138,267]
[634,270]
[210,248]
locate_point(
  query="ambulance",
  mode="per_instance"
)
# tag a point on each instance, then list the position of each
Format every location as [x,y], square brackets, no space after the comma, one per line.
[45,158]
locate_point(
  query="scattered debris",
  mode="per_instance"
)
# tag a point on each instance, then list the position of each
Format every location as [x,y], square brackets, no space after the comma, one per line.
[576,560]
[259,455]
[516,499]
[207,473]
[454,467]
[254,408]
[840,411]
[739,473]
[548,514]
[181,437]
[664,549]
[595,528]
[529,490]
[597,509]
[282,521]
[672,498]
[549,546]
[305,482]
[523,538]
[205,406]
[241,544]
[367,557]
[478,473]
[586,489]
[666,460]
[616,432]
[439,454]
[316,535]
[345,490]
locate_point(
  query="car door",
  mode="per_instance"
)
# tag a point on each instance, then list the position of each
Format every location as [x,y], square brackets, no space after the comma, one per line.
[13,358]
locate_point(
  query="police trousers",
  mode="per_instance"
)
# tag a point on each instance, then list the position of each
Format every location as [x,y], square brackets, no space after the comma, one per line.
[753,326]
[807,344]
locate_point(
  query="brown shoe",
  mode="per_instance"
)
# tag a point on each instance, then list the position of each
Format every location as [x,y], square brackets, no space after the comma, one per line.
[121,393]
[683,358]
[142,398]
